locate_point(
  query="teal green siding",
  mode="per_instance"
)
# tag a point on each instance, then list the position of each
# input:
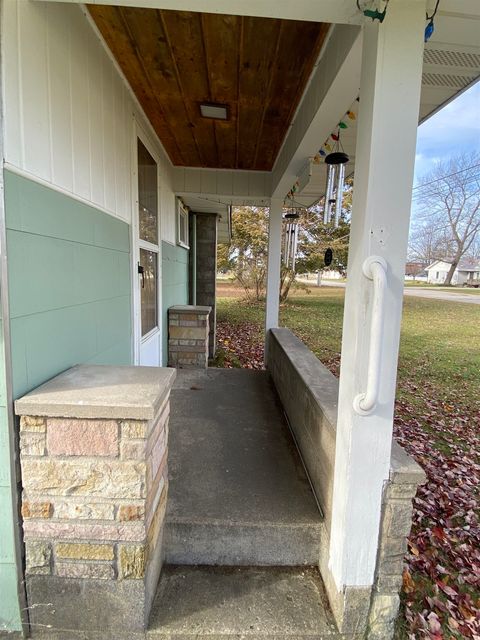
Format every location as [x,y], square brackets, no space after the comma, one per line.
[174,284]
[69,283]
[9,606]
[70,303]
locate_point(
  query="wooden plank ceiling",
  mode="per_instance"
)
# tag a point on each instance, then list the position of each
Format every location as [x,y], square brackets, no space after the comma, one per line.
[176,60]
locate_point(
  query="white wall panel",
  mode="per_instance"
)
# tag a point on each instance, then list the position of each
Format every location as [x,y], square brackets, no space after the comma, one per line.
[80,112]
[34,81]
[69,112]
[58,53]
[96,108]
[13,137]
[169,231]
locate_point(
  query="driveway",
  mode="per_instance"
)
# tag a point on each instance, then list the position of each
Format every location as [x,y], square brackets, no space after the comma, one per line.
[432,294]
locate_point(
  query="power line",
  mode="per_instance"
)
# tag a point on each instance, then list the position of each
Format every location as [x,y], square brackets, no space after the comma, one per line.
[422,195]
[450,175]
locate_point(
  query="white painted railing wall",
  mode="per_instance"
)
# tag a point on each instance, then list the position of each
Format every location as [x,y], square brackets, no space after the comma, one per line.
[69,113]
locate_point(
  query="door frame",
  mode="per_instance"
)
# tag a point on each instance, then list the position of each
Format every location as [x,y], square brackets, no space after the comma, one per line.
[139,133]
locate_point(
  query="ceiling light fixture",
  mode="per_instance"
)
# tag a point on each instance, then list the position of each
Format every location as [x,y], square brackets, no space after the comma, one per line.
[213,110]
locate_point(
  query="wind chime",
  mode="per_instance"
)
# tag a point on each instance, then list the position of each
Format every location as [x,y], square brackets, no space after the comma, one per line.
[335,161]
[290,241]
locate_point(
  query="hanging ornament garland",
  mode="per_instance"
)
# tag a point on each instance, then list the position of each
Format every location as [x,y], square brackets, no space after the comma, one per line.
[330,143]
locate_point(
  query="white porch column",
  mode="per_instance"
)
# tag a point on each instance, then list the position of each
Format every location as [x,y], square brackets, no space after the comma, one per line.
[387,129]
[274,263]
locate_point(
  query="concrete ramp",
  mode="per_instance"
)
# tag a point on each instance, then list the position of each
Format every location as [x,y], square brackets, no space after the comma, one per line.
[238,491]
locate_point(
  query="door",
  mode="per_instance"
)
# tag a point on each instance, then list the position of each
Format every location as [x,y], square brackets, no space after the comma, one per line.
[147,316]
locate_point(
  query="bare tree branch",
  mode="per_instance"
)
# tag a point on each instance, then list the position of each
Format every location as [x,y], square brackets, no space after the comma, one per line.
[447,224]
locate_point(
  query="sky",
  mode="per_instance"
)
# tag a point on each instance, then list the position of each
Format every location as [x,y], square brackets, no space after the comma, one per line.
[453,130]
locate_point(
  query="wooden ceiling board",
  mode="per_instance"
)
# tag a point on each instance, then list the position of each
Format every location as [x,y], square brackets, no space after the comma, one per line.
[153,48]
[175,60]
[255,76]
[185,38]
[112,27]
[293,65]
[221,36]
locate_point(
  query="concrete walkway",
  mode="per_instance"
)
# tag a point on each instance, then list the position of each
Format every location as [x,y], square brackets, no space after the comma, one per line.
[241,518]
[227,603]
[238,492]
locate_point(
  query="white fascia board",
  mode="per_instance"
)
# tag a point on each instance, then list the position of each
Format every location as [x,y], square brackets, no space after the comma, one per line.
[334,11]
[334,87]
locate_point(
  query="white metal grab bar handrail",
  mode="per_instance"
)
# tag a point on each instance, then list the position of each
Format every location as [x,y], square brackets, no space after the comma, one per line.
[374,268]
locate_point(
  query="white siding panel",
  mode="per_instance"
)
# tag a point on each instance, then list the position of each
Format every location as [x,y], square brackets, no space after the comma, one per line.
[225,182]
[169,233]
[96,130]
[240,182]
[69,112]
[193,180]
[121,159]
[11,87]
[208,181]
[34,88]
[80,111]
[108,126]
[60,100]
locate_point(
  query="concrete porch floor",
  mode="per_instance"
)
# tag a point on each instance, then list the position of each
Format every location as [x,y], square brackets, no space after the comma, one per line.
[241,518]
[238,492]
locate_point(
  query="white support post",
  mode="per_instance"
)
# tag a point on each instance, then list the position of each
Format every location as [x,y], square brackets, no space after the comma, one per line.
[274,263]
[385,155]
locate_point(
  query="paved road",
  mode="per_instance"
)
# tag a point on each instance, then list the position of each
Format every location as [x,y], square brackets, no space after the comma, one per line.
[472,298]
[432,294]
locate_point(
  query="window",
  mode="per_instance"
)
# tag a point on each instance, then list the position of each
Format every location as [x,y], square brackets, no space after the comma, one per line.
[148,291]
[147,239]
[147,196]
[438,275]
[182,225]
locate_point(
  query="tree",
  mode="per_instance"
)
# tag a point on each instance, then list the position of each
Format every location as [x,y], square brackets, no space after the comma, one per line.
[428,243]
[448,222]
[247,255]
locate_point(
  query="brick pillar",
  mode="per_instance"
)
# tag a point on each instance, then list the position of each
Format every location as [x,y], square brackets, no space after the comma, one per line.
[93,450]
[206,269]
[188,331]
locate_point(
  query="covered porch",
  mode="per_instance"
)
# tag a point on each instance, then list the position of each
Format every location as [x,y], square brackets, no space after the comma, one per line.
[288,476]
[251,470]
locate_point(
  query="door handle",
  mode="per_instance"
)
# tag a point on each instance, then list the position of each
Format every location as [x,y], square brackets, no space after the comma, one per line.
[141,271]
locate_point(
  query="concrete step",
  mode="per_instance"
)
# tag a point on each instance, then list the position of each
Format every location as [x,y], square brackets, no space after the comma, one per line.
[226,602]
[241,544]
[238,491]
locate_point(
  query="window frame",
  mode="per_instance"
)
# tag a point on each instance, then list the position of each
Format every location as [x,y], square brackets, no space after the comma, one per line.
[182,213]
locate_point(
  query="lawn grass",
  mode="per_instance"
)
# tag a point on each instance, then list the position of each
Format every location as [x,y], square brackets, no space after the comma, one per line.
[440,340]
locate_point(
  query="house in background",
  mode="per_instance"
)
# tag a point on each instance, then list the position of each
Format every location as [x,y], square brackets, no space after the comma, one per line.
[129,129]
[415,271]
[467,270]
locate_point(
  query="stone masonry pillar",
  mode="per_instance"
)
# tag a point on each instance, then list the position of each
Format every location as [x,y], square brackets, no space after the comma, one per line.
[93,449]
[188,336]
[206,269]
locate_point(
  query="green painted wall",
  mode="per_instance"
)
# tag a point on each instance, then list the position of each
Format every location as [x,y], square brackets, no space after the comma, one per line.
[69,284]
[174,284]
[70,303]
[9,605]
